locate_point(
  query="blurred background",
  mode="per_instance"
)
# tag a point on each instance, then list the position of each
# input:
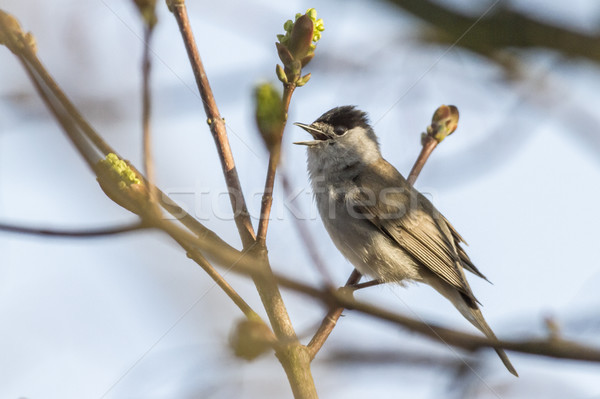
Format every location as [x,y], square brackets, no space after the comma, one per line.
[132,317]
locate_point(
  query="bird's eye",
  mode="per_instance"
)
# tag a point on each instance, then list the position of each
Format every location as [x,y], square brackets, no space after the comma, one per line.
[339,130]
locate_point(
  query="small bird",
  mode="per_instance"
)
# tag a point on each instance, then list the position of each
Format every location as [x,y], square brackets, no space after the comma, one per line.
[378,221]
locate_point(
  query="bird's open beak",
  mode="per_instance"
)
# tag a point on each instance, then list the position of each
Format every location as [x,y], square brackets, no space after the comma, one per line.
[317,134]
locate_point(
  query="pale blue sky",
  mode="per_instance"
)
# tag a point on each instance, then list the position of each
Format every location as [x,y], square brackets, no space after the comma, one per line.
[519,180]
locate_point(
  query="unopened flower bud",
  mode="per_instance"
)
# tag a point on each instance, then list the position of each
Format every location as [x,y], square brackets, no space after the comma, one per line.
[444,122]
[301,37]
[250,339]
[270,114]
[303,80]
[12,35]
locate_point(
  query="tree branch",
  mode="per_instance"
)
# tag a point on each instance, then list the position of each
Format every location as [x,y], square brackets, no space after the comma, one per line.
[293,356]
[552,347]
[84,138]
[275,154]
[146,114]
[501,28]
[83,233]
[217,126]
[218,279]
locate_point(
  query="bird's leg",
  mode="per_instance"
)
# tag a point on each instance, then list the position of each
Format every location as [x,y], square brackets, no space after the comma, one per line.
[366,284]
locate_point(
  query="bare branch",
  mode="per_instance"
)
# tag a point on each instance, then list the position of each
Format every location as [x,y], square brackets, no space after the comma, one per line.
[552,347]
[217,278]
[146,114]
[330,320]
[83,233]
[428,147]
[83,136]
[501,28]
[293,356]
[267,199]
[217,127]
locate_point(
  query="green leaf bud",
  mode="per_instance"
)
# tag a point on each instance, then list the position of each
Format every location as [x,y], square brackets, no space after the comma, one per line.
[270,114]
[304,80]
[281,74]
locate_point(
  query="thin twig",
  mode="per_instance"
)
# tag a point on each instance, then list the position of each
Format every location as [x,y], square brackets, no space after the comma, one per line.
[54,104]
[217,128]
[274,157]
[502,28]
[551,347]
[83,233]
[330,320]
[246,264]
[267,288]
[79,131]
[293,356]
[146,114]
[428,147]
[219,280]
[367,284]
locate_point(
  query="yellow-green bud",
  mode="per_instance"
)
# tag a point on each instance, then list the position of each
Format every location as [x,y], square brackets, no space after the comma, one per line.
[288,25]
[121,184]
[303,80]
[270,114]
[120,170]
[281,74]
[12,35]
[297,46]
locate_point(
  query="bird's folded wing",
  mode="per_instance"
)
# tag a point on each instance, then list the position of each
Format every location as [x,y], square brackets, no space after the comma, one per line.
[466,261]
[409,219]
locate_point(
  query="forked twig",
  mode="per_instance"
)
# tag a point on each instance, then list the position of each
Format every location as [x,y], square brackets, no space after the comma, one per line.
[90,145]
[217,126]
[274,157]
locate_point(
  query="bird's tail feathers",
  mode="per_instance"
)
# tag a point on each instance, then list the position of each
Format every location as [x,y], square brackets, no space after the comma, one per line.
[476,318]
[472,313]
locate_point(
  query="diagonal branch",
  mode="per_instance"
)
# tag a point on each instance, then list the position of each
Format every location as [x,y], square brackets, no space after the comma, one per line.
[89,144]
[63,233]
[293,356]
[217,127]
[146,114]
[274,157]
[502,28]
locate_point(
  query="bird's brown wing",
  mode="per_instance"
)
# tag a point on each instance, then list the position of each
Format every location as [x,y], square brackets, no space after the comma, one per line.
[466,261]
[410,220]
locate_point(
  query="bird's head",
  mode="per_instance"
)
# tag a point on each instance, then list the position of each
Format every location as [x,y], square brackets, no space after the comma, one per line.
[342,136]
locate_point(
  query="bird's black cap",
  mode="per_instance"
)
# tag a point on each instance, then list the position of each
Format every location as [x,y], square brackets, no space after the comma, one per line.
[347,116]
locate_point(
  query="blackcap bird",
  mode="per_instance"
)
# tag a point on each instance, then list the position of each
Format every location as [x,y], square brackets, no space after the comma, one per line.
[378,221]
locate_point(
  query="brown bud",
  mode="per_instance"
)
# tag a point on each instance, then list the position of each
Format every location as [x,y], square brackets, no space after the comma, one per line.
[444,122]
[307,59]
[284,54]
[301,37]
